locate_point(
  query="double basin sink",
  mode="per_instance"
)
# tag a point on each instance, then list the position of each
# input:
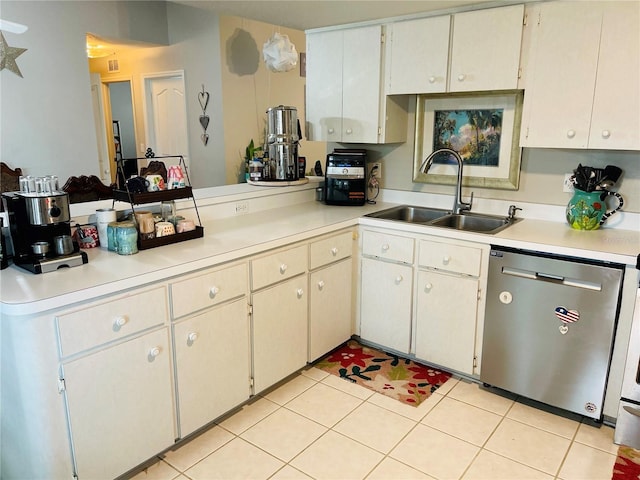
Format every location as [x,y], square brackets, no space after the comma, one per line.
[435,217]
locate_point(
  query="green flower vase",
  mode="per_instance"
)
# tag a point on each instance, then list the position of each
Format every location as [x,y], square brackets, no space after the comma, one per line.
[587,210]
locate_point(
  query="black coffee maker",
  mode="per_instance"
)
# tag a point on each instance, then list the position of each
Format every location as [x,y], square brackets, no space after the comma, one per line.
[41,231]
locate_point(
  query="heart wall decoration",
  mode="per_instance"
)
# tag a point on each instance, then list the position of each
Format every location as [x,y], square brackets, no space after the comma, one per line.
[203,99]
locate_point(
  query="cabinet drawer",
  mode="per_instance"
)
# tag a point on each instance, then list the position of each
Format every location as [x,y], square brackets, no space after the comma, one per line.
[203,291]
[278,266]
[115,319]
[332,249]
[452,258]
[391,247]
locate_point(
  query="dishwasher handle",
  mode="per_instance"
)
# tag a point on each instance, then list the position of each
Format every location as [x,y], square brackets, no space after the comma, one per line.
[548,277]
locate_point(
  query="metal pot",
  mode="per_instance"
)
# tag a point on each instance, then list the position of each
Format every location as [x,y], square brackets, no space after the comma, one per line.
[63,244]
[282,123]
[40,248]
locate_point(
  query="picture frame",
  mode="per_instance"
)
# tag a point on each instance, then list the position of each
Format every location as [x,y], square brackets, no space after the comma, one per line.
[483,128]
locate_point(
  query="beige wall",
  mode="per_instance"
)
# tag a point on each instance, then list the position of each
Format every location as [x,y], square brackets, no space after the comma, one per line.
[249,89]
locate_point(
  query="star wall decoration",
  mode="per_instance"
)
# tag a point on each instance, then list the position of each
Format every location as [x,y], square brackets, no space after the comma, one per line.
[8,56]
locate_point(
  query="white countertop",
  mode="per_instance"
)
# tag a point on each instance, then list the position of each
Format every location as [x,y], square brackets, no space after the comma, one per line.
[233,237]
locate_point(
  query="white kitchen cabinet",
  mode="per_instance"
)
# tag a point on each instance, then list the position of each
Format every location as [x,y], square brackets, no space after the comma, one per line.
[418,55]
[484,53]
[120,405]
[449,301]
[485,49]
[582,84]
[386,290]
[205,347]
[279,315]
[330,293]
[345,101]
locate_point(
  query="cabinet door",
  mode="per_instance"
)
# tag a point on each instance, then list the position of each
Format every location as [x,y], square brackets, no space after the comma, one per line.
[279,331]
[557,106]
[324,86]
[330,308]
[446,315]
[120,403]
[419,56]
[485,49]
[212,364]
[361,84]
[615,122]
[385,305]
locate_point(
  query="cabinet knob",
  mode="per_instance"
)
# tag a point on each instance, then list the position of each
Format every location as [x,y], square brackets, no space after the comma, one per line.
[283,268]
[299,293]
[120,322]
[432,79]
[213,291]
[446,259]
[154,352]
[571,133]
[399,279]
[334,251]
[385,247]
[428,287]
[349,131]
[331,130]
[192,337]
[606,134]
[320,284]
[461,77]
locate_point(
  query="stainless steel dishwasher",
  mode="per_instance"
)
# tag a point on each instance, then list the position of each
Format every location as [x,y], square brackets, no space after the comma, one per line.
[549,328]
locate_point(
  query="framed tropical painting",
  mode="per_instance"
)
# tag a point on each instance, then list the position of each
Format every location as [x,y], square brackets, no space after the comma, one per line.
[483,128]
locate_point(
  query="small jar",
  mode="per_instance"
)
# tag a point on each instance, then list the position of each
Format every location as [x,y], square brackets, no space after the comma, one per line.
[112,242]
[127,238]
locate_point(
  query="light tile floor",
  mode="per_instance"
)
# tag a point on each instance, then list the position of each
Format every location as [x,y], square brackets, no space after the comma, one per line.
[322,427]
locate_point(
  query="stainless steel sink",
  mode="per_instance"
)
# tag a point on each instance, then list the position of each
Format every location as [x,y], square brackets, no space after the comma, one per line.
[411,214]
[466,221]
[475,222]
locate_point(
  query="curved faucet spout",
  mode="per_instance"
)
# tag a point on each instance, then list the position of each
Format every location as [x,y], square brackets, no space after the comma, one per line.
[458,204]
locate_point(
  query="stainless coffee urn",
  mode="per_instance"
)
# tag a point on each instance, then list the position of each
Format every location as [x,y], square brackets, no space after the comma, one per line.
[283,135]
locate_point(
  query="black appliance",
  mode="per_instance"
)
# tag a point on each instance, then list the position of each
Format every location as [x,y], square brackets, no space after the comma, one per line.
[36,220]
[345,182]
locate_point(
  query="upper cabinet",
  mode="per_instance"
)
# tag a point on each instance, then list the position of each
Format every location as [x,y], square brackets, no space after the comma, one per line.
[582,87]
[483,54]
[344,95]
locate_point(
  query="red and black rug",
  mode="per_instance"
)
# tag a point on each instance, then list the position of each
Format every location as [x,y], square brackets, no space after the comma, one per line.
[627,466]
[405,380]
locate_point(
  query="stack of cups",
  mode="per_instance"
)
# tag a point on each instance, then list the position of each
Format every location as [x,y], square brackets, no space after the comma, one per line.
[104,216]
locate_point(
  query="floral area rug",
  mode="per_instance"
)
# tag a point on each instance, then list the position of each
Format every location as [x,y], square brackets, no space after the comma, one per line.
[627,466]
[396,377]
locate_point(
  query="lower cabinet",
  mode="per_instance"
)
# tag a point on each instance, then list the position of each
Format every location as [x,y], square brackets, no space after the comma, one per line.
[212,354]
[279,331]
[120,405]
[385,304]
[446,311]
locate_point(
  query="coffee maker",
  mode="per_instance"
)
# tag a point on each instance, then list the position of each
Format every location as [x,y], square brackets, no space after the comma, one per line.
[41,230]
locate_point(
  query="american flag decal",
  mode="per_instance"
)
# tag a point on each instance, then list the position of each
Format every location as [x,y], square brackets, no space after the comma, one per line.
[567,316]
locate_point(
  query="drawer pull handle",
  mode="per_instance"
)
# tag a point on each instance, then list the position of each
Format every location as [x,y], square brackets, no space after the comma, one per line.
[428,287]
[432,79]
[606,134]
[153,353]
[446,259]
[334,251]
[399,279]
[571,133]
[349,131]
[461,77]
[213,292]
[120,322]
[385,247]
[331,130]
[192,337]
[299,293]
[283,268]
[320,284]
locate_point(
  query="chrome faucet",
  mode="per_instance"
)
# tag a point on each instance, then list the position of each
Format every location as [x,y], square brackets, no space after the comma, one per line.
[458,205]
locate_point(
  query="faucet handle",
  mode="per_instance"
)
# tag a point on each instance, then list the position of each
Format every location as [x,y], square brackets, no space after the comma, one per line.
[466,206]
